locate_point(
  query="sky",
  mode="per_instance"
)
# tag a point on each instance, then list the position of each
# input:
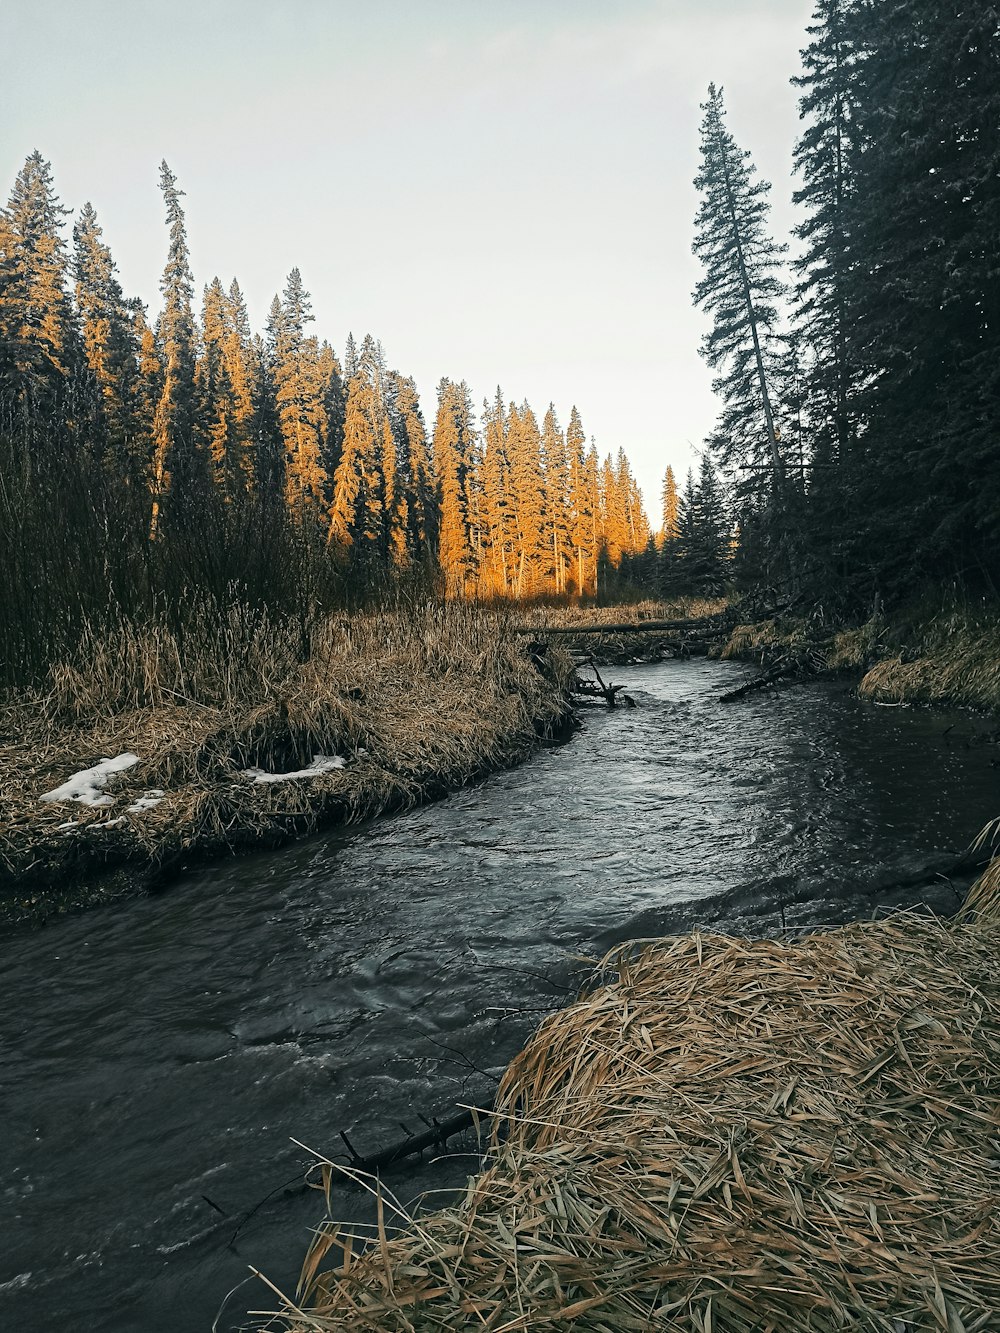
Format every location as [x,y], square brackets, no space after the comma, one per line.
[499,190]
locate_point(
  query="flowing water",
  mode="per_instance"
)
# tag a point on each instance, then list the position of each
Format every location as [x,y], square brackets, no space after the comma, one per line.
[157,1057]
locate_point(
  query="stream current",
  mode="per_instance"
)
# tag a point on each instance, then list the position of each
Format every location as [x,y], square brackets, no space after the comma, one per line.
[158,1056]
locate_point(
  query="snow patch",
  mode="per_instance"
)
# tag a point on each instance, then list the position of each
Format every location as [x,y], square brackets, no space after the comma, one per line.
[87,785]
[146,801]
[108,823]
[322,763]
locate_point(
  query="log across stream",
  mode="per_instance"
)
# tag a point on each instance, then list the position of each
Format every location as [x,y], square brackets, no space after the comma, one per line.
[159,1056]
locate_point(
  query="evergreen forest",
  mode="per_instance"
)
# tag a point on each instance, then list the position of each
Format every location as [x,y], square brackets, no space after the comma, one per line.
[858,379]
[189,465]
[170,467]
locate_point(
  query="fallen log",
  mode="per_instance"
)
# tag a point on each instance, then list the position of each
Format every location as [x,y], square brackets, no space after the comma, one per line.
[436,1135]
[625,627]
[760,682]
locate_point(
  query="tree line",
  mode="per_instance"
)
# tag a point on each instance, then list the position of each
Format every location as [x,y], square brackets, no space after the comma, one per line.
[860,382]
[147,467]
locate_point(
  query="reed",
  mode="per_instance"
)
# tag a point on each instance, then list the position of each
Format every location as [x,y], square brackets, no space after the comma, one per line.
[724,1135]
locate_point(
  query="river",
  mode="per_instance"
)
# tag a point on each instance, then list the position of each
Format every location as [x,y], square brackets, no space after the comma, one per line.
[157,1057]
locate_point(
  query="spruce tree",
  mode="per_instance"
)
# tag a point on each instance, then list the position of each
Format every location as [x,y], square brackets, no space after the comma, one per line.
[300,383]
[825,158]
[37,335]
[740,289]
[925,292]
[421,509]
[499,518]
[110,353]
[363,494]
[456,461]
[557,498]
[584,504]
[669,498]
[527,483]
[173,451]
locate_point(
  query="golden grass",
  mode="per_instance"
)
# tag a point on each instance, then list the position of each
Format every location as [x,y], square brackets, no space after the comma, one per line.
[415,701]
[957,665]
[728,1136]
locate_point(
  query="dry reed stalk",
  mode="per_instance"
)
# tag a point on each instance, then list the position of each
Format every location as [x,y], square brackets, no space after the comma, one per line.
[728,1136]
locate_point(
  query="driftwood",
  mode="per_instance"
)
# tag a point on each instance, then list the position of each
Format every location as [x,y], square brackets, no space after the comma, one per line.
[436,1135]
[597,688]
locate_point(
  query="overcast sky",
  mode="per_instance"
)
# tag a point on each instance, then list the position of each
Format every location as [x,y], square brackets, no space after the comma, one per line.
[500,190]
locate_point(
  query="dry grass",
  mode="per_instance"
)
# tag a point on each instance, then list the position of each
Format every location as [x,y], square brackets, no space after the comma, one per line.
[955,664]
[680,608]
[416,702]
[726,1137]
[932,655]
[982,902]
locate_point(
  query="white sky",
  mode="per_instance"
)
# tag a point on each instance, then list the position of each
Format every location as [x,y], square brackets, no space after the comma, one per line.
[500,190]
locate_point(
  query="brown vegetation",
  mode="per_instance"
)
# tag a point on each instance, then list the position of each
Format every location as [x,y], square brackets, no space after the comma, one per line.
[924,655]
[731,1136]
[416,702]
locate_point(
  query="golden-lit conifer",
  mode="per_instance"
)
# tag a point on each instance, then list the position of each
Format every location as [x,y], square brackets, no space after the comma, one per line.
[455,460]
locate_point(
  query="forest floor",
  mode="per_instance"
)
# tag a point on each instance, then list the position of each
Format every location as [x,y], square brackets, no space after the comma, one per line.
[128,767]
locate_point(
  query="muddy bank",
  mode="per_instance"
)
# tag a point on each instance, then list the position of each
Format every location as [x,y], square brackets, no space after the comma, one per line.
[389,711]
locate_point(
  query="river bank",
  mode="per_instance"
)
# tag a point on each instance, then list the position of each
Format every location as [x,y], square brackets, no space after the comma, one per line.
[252,749]
[946,655]
[163,1054]
[721,1134]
